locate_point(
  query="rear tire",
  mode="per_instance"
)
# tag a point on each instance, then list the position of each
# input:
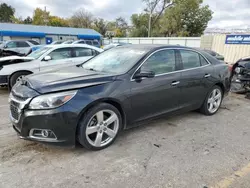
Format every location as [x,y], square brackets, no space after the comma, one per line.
[99,127]
[212,102]
[18,75]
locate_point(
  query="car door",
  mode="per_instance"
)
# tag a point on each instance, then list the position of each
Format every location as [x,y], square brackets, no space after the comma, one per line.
[61,57]
[160,94]
[194,76]
[82,54]
[23,47]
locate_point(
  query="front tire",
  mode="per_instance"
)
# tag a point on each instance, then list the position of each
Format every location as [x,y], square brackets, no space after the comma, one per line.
[16,76]
[99,127]
[212,102]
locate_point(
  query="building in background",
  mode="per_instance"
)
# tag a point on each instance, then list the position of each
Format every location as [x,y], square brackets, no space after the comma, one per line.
[45,34]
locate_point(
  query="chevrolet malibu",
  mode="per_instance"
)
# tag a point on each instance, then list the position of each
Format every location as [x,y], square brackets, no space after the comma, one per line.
[93,102]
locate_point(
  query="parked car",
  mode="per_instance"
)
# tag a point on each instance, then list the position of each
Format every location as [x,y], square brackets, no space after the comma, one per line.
[22,47]
[44,59]
[68,42]
[116,90]
[113,45]
[214,54]
[57,42]
[241,76]
[89,42]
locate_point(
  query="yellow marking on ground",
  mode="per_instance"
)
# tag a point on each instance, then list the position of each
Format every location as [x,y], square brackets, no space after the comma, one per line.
[226,182]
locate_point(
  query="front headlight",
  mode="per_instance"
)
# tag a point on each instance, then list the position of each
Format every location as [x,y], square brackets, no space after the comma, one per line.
[50,101]
[238,70]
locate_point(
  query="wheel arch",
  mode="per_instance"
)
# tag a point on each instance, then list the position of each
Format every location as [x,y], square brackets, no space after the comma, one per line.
[221,85]
[9,77]
[117,104]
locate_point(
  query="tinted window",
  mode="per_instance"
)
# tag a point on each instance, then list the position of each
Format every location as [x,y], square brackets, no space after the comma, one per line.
[81,42]
[160,62]
[33,42]
[22,44]
[11,44]
[203,61]
[82,52]
[190,59]
[88,42]
[62,53]
[95,52]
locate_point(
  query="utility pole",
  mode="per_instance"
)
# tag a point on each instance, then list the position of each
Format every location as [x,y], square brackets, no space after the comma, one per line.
[149,24]
[46,19]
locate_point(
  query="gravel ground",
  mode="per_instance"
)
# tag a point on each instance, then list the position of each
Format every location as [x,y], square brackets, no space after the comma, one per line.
[190,150]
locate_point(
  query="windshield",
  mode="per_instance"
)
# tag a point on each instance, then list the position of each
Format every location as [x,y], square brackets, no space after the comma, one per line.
[116,60]
[38,53]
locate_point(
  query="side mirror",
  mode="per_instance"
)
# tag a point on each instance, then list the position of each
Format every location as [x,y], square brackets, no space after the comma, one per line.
[47,58]
[144,74]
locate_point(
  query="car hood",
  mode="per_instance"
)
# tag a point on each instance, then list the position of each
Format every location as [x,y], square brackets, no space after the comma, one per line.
[66,79]
[14,60]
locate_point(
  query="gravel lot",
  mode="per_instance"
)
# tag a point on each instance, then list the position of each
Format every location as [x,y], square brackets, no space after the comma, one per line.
[190,150]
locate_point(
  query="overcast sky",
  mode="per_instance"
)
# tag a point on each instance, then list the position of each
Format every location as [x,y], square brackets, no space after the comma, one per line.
[227,14]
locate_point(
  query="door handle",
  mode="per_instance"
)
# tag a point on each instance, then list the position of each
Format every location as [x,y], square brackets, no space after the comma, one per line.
[207,75]
[175,83]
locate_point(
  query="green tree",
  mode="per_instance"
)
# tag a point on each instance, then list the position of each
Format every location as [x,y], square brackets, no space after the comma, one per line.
[100,25]
[121,27]
[16,20]
[81,19]
[40,17]
[28,20]
[6,12]
[186,18]
[155,9]
[57,22]
[140,25]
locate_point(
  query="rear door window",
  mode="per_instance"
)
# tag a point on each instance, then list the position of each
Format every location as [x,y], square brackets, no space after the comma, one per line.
[61,53]
[88,42]
[22,44]
[203,61]
[190,59]
[83,52]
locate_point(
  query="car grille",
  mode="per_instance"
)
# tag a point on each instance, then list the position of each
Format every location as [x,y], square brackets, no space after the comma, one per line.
[17,104]
[14,110]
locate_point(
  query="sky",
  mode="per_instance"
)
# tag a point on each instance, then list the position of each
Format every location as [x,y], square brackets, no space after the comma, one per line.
[227,13]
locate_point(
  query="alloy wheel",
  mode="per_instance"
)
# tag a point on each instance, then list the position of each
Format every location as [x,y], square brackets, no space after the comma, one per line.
[19,78]
[102,128]
[214,100]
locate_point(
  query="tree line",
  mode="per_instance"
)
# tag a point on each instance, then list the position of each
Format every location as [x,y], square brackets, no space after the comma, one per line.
[160,18]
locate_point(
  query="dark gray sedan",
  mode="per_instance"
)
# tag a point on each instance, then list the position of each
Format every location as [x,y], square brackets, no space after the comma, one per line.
[91,103]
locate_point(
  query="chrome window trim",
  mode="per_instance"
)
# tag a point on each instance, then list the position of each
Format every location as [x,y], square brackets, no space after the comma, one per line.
[132,79]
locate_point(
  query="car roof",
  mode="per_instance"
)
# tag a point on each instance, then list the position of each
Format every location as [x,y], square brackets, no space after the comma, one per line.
[150,47]
[74,45]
